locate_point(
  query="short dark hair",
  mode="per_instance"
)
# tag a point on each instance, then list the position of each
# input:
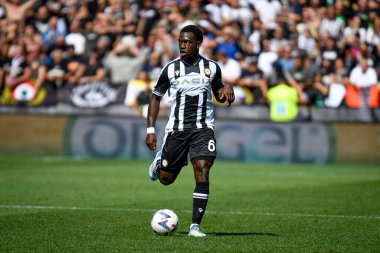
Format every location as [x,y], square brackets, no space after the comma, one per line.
[195,30]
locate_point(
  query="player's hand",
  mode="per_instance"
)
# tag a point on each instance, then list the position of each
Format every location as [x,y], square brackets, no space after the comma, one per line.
[151,141]
[227,94]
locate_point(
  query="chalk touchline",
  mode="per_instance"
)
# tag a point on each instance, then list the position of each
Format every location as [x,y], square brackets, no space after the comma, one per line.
[75,208]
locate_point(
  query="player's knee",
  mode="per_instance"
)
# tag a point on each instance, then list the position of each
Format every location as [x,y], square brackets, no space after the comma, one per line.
[202,165]
[201,170]
[166,180]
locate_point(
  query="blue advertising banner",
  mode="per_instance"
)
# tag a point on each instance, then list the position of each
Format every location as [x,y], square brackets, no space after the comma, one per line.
[120,137]
[112,137]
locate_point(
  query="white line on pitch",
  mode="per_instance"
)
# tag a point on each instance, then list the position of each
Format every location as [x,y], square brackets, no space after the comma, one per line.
[75,208]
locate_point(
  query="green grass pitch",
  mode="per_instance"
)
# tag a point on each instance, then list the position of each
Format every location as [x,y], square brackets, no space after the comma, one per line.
[66,205]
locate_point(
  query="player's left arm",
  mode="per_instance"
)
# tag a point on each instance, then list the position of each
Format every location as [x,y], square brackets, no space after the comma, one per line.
[222,92]
[226,94]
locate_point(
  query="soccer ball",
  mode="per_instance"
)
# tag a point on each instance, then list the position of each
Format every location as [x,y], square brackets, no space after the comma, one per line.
[164,222]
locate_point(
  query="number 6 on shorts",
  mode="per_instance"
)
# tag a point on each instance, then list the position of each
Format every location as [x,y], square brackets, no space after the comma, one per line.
[211,145]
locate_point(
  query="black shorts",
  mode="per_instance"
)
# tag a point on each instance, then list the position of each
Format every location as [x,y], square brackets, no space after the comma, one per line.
[199,143]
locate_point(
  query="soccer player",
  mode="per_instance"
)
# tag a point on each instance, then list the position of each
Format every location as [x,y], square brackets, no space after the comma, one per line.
[189,81]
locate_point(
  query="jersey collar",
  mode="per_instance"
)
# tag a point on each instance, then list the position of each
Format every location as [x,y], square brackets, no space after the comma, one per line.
[195,63]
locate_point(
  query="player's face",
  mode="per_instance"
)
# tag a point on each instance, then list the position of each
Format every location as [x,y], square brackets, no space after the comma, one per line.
[188,45]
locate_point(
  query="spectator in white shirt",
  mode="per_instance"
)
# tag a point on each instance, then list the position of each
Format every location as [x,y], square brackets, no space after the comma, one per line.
[232,10]
[256,36]
[231,71]
[268,11]
[278,41]
[307,42]
[214,8]
[331,24]
[363,76]
[76,38]
[266,59]
[230,68]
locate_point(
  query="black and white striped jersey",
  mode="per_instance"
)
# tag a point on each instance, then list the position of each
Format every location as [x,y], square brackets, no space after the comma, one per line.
[189,88]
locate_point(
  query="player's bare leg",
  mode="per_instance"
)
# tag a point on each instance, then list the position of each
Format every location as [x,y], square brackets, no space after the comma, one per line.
[200,195]
[167,178]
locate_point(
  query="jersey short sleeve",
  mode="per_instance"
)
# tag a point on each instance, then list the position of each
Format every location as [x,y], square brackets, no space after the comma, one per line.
[162,84]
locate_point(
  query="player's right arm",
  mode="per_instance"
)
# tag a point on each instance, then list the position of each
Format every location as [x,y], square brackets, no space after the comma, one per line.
[153,109]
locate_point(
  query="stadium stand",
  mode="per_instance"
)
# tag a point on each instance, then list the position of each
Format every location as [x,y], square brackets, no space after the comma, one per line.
[51,52]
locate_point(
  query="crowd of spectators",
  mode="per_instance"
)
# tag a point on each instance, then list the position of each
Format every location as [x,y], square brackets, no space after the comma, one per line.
[327,50]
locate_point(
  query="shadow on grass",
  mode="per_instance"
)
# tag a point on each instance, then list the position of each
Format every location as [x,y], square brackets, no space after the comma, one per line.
[235,234]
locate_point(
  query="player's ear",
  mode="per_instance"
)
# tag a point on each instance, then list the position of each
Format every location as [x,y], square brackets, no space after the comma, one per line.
[199,43]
